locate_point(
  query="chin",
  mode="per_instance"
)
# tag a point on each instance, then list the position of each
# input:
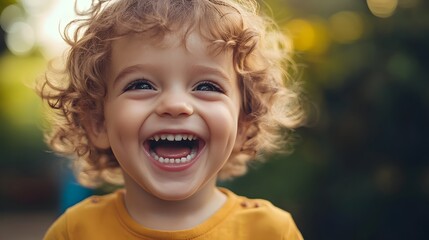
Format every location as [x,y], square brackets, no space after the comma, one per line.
[174,194]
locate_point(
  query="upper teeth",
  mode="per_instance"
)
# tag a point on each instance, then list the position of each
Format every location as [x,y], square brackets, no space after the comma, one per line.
[173,137]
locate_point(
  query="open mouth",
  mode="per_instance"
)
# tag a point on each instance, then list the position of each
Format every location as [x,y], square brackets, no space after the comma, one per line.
[173,149]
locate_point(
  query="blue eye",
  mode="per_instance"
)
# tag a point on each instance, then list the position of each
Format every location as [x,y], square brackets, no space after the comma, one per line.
[208,86]
[140,84]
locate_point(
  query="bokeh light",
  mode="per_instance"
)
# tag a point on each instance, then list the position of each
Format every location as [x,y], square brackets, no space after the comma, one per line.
[20,39]
[37,7]
[38,23]
[382,8]
[308,35]
[50,26]
[302,33]
[10,15]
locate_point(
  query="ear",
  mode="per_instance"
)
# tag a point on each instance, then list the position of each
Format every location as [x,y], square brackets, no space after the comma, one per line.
[96,131]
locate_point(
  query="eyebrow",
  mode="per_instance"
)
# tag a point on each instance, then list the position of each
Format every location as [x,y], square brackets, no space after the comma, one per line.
[198,68]
[132,69]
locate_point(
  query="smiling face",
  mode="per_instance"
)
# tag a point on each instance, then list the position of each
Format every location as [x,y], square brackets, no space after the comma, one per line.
[171,113]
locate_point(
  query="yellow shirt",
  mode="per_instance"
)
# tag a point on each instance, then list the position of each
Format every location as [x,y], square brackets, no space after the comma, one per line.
[106,218]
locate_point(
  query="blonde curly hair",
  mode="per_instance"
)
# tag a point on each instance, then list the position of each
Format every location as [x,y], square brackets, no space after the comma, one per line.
[271,98]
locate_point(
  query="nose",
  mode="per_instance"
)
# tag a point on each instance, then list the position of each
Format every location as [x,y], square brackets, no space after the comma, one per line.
[174,105]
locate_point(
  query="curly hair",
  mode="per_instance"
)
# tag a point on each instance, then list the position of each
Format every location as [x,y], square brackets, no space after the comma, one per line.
[271,98]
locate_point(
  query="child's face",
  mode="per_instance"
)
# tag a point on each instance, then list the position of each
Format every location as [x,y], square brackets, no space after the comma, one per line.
[174,92]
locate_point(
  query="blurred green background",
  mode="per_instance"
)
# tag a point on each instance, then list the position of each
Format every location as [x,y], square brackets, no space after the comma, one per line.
[359,172]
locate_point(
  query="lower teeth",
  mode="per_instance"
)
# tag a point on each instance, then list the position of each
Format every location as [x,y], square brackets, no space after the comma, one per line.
[174,160]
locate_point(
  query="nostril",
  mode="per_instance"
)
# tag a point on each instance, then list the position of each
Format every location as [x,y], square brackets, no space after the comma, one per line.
[175,108]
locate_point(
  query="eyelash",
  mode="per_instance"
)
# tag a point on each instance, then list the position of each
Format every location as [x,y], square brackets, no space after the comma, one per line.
[214,87]
[134,85]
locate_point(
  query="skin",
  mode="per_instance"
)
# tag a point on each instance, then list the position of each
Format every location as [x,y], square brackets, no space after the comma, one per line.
[169,88]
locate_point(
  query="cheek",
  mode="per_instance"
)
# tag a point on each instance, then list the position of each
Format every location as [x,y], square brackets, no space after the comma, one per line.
[222,122]
[124,119]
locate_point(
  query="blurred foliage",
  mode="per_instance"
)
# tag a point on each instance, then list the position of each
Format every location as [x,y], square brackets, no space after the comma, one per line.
[25,169]
[24,166]
[360,171]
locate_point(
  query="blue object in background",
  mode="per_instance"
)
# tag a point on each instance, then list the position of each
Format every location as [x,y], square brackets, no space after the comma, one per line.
[71,191]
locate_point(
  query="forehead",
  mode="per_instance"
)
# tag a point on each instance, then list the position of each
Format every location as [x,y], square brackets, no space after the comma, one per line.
[191,43]
[141,40]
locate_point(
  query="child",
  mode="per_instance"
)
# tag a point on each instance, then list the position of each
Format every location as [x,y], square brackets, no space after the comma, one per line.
[168,96]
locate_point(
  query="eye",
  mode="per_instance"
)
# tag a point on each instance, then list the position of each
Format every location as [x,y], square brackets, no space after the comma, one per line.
[208,86]
[140,84]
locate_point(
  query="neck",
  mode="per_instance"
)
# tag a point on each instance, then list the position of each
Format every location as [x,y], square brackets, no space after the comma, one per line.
[155,213]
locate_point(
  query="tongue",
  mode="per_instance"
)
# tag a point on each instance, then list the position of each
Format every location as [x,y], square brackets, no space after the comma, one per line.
[172,151]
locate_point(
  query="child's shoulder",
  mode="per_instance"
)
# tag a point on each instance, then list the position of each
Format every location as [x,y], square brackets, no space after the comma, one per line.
[86,218]
[270,220]
[260,207]
[94,209]
[95,204]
